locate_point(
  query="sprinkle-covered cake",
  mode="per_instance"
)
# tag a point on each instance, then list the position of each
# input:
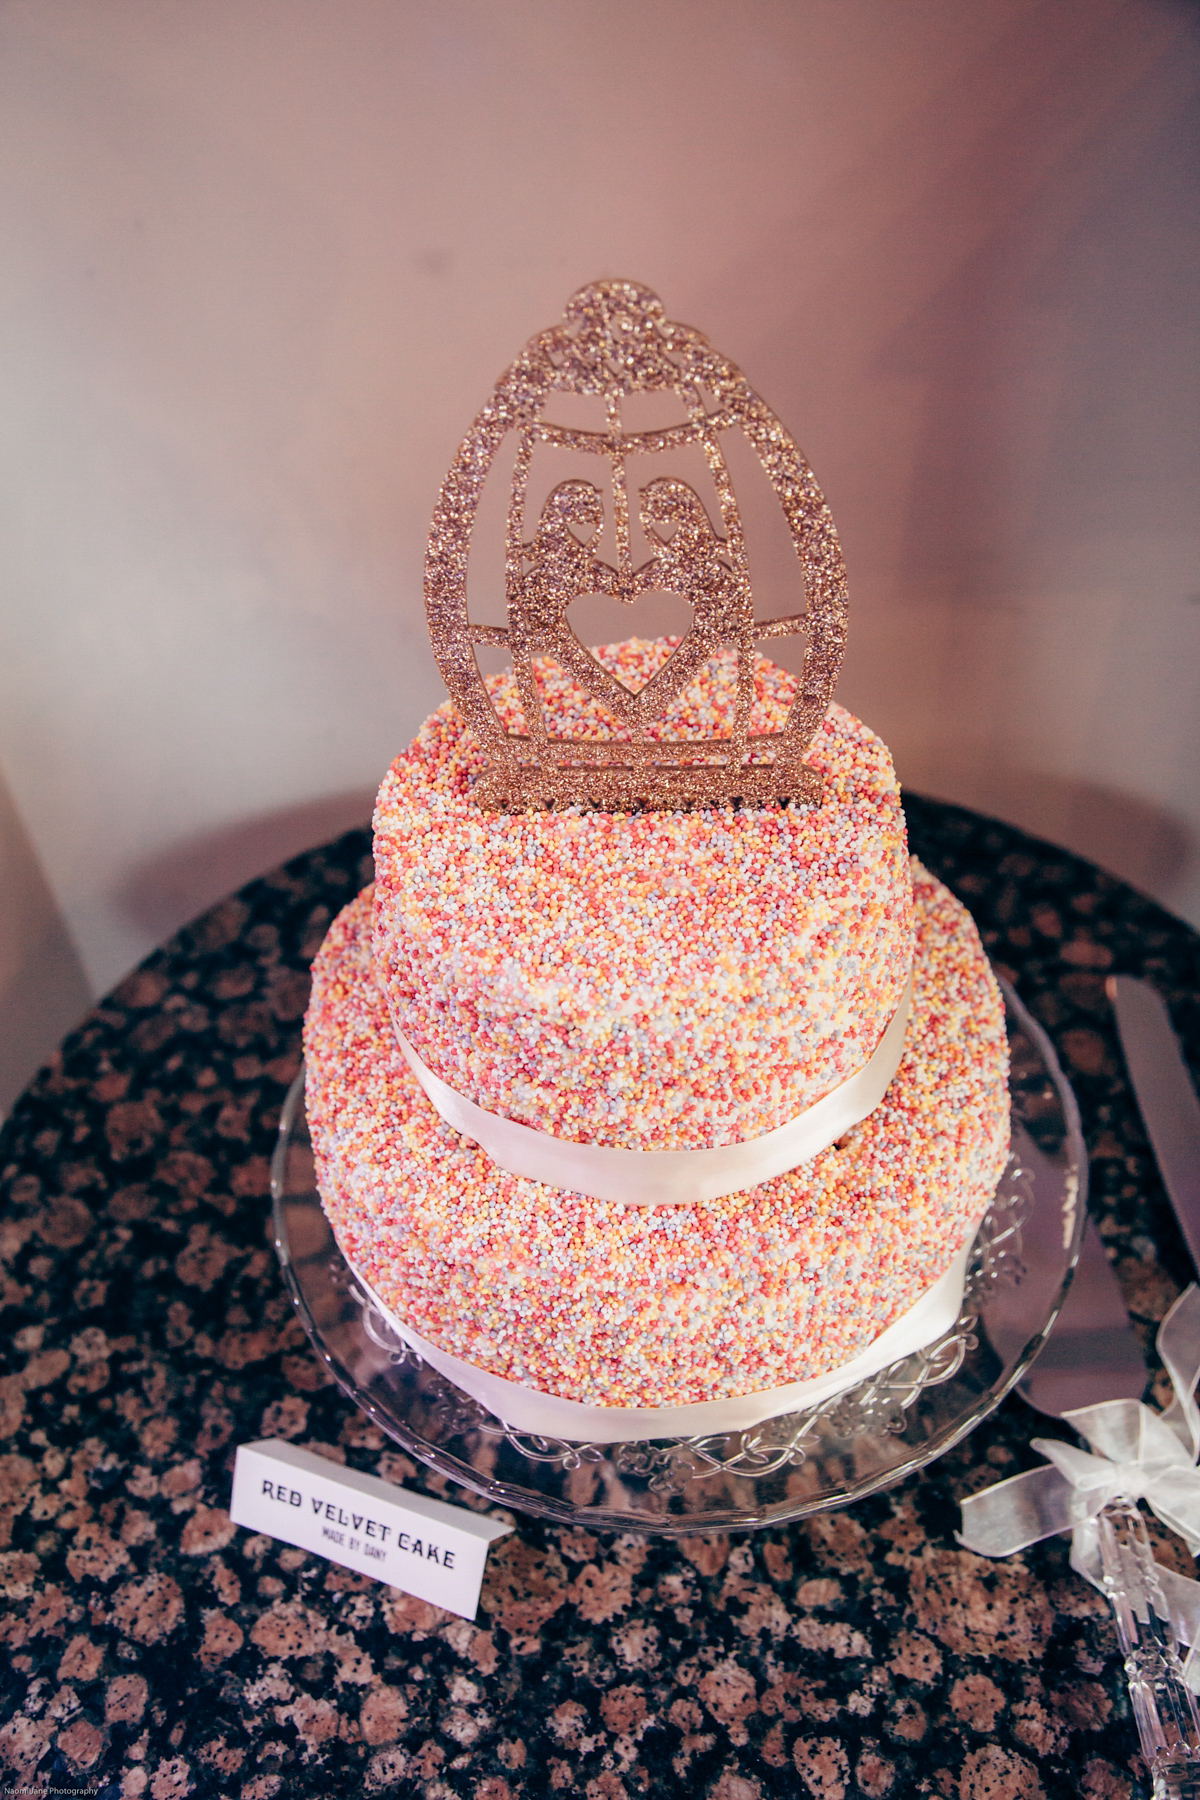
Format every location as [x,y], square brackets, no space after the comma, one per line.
[660,981]
[670,980]
[651,1088]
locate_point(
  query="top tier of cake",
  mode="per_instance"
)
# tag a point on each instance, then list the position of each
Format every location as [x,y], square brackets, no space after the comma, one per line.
[651,981]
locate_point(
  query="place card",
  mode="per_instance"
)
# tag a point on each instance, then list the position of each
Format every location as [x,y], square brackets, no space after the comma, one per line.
[434,1551]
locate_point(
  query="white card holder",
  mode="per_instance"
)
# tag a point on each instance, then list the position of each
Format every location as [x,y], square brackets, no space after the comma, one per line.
[425,1547]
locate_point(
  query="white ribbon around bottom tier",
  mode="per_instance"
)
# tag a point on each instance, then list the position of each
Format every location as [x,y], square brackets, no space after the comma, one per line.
[1140,1455]
[671,1177]
[549,1415]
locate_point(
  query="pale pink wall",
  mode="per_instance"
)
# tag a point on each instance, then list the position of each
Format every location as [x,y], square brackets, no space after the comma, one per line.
[263,258]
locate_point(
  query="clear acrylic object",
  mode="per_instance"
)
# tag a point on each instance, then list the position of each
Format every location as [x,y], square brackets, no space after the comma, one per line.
[827,1456]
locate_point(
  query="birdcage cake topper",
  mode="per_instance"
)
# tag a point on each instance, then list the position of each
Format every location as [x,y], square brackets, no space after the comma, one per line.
[615,343]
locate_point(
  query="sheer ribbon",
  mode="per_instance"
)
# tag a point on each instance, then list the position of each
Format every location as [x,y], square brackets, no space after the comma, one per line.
[671,1177]
[1139,1454]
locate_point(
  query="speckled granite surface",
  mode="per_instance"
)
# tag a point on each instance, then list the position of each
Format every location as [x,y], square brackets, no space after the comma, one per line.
[152,1648]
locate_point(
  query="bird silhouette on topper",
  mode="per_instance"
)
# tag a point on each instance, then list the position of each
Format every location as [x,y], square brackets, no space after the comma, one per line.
[615,343]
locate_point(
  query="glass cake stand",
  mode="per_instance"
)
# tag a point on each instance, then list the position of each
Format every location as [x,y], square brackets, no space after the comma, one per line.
[826,1456]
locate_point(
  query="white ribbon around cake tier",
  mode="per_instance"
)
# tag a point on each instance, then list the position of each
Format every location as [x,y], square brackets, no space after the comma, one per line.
[671,1177]
[527,1409]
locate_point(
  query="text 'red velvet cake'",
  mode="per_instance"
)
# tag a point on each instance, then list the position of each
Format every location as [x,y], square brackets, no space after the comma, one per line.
[653,982]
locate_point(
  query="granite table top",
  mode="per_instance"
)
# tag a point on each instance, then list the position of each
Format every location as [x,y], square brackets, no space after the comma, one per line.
[152,1648]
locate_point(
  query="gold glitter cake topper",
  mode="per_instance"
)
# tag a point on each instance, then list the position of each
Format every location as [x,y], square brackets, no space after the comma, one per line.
[614,344]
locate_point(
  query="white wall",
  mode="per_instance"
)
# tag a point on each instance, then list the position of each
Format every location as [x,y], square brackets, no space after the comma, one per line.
[260,261]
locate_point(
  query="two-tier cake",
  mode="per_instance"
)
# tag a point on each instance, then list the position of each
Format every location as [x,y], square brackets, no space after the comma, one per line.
[651,1087]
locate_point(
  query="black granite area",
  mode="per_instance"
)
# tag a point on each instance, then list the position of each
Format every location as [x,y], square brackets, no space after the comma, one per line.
[153,1648]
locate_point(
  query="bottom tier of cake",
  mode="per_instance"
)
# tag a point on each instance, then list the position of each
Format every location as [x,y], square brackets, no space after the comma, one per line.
[643,1308]
[524,1409]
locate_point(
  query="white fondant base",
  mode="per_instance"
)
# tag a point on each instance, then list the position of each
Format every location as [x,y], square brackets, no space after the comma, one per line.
[548,1415]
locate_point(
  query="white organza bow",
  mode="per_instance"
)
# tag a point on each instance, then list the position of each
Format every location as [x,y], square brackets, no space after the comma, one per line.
[1139,1454]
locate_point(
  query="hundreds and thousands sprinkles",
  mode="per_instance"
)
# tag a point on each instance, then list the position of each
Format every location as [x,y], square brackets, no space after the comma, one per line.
[645,1306]
[653,981]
